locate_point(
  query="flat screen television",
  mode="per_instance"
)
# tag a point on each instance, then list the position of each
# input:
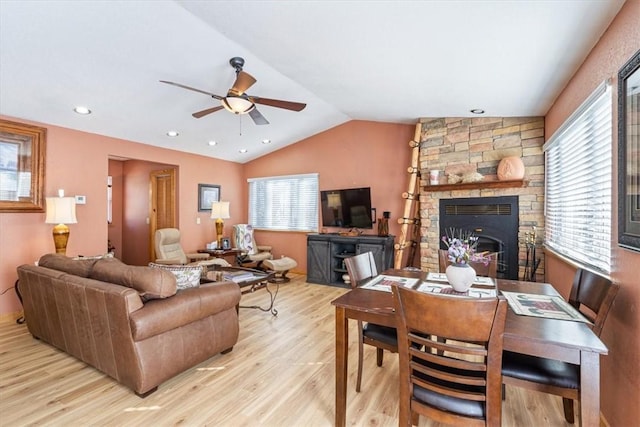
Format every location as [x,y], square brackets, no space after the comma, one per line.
[347,208]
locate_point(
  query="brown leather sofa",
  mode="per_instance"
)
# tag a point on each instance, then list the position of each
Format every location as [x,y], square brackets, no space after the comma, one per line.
[127,321]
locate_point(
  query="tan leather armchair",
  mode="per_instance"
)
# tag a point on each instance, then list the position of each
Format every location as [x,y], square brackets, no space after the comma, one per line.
[169,250]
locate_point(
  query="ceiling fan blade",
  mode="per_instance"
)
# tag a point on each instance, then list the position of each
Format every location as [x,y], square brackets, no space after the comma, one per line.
[218,97]
[243,82]
[257,117]
[207,111]
[287,105]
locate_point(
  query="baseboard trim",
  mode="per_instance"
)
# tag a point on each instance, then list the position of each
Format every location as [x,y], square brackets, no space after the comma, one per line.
[10,317]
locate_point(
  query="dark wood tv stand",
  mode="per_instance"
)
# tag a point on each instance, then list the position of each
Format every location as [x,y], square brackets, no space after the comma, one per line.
[326,254]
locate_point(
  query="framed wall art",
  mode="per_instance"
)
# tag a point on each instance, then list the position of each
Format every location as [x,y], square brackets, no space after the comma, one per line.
[629,154]
[207,194]
[22,161]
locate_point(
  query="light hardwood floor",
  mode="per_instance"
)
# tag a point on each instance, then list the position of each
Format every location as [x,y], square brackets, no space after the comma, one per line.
[280,373]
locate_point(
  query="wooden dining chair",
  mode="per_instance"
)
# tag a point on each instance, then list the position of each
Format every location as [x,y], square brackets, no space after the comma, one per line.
[488,270]
[592,295]
[457,381]
[361,268]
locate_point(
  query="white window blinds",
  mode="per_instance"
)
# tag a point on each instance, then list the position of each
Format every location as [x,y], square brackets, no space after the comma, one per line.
[288,203]
[578,184]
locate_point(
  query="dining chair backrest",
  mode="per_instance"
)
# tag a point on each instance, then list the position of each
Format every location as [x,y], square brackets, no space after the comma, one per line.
[360,268]
[489,269]
[594,292]
[456,378]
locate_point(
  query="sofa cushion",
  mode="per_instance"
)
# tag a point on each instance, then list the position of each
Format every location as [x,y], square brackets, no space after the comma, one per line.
[188,306]
[77,267]
[187,276]
[151,283]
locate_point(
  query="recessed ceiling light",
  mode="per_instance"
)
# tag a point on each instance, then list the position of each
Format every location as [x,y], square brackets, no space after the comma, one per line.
[242,150]
[266,141]
[82,110]
[477,111]
[212,143]
[172,133]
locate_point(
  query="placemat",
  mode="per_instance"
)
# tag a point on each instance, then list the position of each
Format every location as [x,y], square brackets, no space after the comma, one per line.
[384,282]
[480,280]
[473,292]
[546,306]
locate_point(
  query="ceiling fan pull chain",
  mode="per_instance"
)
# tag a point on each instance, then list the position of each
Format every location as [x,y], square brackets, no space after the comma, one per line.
[240,117]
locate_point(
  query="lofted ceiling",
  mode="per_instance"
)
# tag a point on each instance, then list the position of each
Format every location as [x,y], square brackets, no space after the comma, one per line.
[389,61]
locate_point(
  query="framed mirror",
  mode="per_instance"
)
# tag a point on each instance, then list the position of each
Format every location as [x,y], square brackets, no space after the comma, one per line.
[22,159]
[629,154]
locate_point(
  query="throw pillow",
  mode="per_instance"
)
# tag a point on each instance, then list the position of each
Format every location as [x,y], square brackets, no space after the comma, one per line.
[187,276]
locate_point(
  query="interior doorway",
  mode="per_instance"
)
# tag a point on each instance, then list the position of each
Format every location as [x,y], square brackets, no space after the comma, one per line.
[162,203]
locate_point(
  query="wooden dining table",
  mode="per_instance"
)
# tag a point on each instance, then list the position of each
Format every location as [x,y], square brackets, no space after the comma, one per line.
[569,341]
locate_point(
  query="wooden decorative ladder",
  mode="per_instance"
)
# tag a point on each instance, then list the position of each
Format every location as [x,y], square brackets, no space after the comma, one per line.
[410,220]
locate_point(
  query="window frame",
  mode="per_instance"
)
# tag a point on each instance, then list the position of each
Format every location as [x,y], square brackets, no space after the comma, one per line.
[266,219]
[578,171]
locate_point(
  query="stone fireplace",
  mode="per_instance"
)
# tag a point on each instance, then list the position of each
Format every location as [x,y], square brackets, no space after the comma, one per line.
[462,145]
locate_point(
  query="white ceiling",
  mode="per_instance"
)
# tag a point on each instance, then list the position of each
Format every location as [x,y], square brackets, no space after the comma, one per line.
[389,61]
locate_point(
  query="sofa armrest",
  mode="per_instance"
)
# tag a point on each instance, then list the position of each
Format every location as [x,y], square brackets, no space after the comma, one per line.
[187,306]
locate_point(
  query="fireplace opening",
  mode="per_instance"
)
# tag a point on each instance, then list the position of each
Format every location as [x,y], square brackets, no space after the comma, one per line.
[494,220]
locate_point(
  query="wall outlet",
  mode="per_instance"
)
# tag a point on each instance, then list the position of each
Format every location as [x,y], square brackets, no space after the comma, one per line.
[81,200]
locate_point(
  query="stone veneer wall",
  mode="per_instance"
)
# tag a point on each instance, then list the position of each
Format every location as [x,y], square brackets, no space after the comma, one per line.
[461,145]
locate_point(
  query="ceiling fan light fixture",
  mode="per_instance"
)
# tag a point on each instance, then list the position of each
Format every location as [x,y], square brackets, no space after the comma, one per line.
[237,104]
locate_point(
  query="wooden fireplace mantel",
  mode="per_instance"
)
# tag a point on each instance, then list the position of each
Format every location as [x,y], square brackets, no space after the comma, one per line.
[476,185]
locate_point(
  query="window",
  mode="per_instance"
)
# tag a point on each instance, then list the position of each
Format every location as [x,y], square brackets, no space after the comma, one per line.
[288,203]
[578,184]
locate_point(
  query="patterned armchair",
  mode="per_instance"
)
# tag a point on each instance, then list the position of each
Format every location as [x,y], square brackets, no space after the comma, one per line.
[253,255]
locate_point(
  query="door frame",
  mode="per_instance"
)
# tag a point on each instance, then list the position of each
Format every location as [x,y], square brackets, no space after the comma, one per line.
[153,208]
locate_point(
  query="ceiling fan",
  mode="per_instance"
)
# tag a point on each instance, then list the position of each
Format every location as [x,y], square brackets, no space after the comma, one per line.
[239,102]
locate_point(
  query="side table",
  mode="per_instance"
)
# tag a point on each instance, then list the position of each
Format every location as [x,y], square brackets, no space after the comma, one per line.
[222,253]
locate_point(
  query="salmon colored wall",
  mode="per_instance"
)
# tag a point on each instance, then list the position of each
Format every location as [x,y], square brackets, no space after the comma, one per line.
[78,162]
[620,370]
[354,154]
[136,209]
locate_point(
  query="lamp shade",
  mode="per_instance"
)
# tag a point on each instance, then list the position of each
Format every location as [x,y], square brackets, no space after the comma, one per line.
[61,210]
[237,105]
[220,210]
[333,200]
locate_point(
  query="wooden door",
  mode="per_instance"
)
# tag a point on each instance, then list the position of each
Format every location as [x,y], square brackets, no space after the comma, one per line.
[162,204]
